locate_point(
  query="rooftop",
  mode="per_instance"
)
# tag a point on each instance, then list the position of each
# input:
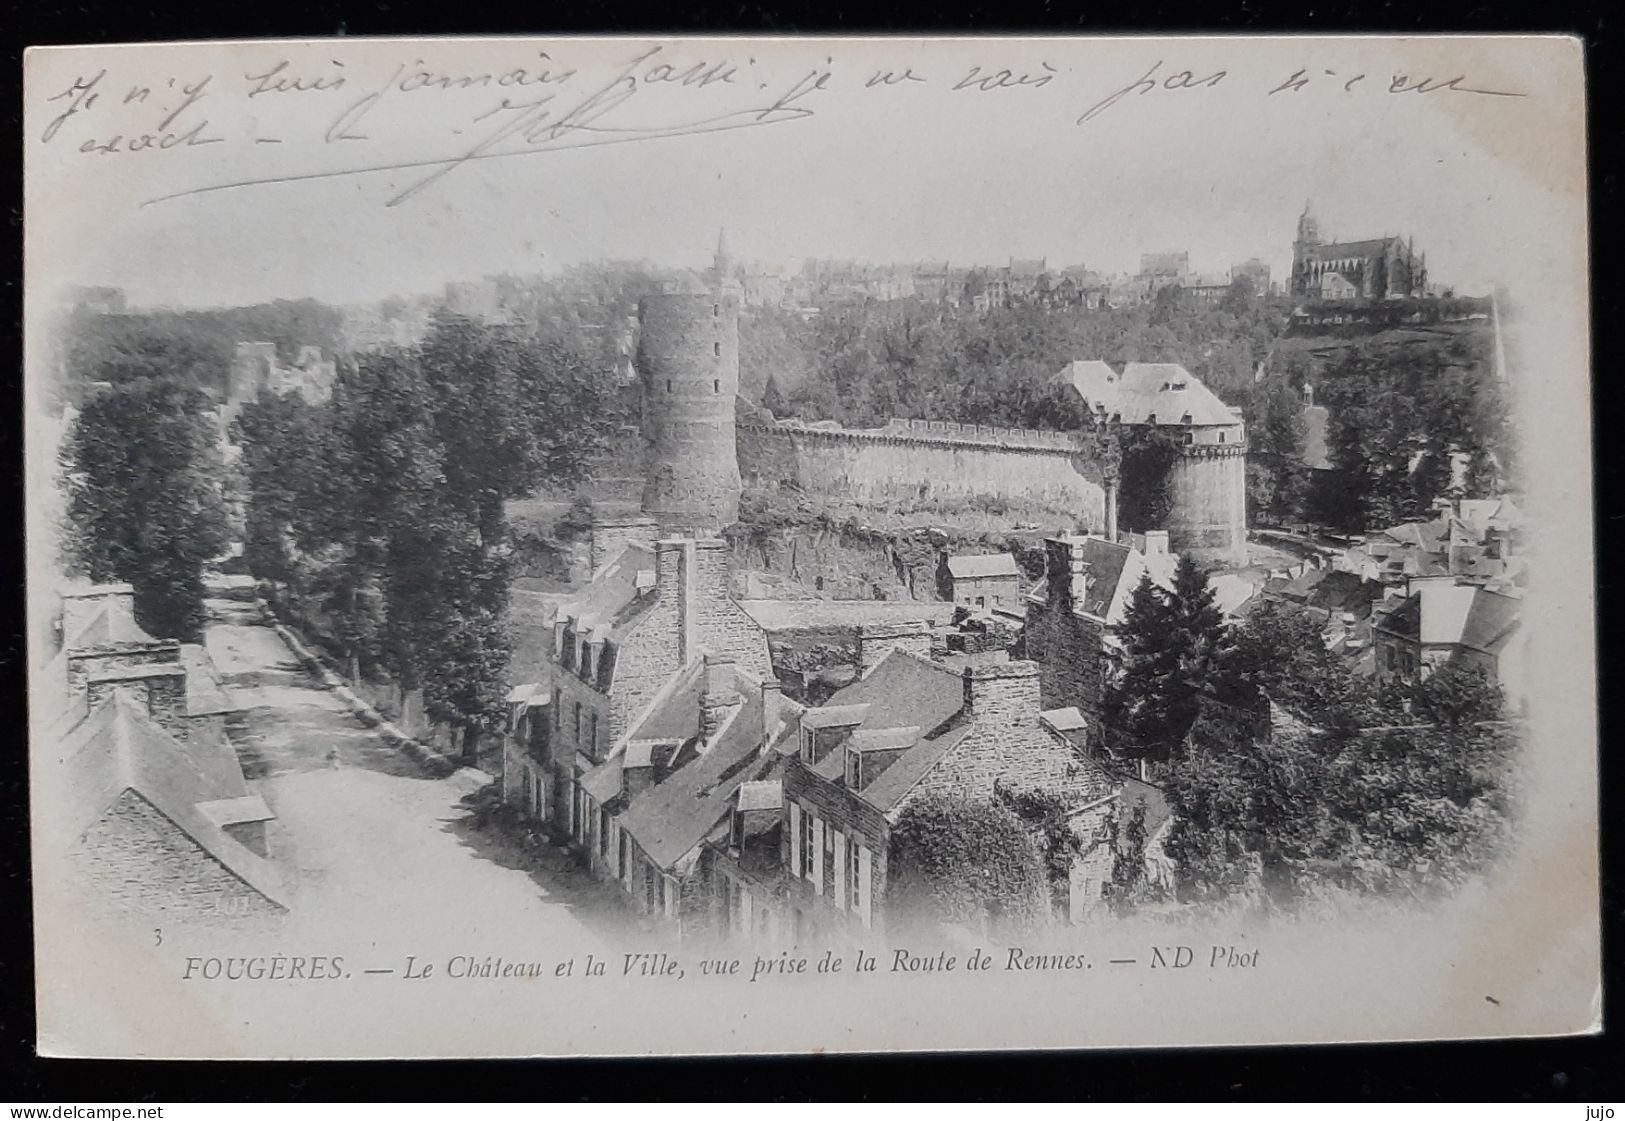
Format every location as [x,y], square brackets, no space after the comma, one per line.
[119,748]
[1163,393]
[982,565]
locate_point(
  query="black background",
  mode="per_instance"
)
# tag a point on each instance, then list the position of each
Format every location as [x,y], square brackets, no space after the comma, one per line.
[1581,1070]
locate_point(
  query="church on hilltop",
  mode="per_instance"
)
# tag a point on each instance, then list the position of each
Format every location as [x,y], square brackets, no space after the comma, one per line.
[1381,268]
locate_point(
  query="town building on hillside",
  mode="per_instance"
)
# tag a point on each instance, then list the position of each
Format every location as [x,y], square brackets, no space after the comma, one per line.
[985,581]
[1256,272]
[1316,452]
[687,784]
[907,729]
[1443,623]
[616,645]
[1074,613]
[256,370]
[1169,269]
[1380,268]
[149,811]
[1207,288]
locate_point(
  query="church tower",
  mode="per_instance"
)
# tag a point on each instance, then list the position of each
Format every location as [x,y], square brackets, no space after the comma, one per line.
[1302,250]
[688,358]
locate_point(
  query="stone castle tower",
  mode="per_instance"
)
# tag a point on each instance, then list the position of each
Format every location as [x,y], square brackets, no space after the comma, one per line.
[688,360]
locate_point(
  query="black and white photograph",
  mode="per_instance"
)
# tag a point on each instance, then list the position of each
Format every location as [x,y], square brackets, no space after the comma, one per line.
[689,546]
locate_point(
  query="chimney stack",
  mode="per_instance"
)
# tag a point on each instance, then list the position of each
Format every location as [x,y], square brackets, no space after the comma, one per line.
[1156,543]
[772,704]
[718,695]
[877,640]
[1003,697]
[674,583]
[159,688]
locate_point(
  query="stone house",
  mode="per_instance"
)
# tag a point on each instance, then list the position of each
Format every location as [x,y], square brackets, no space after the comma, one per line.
[693,778]
[1442,623]
[148,807]
[616,646]
[909,728]
[985,582]
[1073,614]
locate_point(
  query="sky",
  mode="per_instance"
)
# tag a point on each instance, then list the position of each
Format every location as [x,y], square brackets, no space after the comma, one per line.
[909,171]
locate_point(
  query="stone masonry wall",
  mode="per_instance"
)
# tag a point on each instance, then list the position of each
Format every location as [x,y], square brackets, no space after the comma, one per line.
[1207,515]
[140,861]
[886,465]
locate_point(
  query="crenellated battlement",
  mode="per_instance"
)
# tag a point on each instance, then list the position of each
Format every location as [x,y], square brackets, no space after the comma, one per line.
[929,433]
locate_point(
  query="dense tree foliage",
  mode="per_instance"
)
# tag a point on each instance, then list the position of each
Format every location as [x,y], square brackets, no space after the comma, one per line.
[1172,644]
[1398,413]
[392,520]
[861,365]
[145,505]
[198,344]
[1416,808]
[964,862]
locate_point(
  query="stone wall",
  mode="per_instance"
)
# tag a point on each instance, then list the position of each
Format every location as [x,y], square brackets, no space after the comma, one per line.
[139,860]
[919,460]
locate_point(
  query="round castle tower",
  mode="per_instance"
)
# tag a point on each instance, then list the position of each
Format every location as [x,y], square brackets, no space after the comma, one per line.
[1207,514]
[688,359]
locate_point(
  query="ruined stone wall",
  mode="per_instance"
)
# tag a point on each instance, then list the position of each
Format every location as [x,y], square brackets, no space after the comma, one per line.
[1207,515]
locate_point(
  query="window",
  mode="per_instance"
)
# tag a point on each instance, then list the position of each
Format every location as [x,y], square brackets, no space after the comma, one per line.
[854,871]
[1221,437]
[668,385]
[716,385]
[716,310]
[578,722]
[981,601]
[716,349]
[593,724]
[807,854]
[605,830]
[852,769]
[558,708]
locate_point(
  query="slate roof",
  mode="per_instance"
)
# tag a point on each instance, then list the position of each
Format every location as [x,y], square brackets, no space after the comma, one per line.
[119,748]
[904,689]
[894,783]
[111,625]
[1108,564]
[206,692]
[612,596]
[677,717]
[1336,250]
[673,816]
[1145,390]
[1456,615]
[982,565]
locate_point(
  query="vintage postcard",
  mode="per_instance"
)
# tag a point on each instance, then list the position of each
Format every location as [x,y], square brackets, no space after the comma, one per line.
[698,546]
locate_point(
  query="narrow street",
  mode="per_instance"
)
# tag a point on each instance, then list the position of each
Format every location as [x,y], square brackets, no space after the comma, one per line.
[367,836]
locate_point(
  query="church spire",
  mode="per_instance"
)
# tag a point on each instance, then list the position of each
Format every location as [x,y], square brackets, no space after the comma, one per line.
[1308,226]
